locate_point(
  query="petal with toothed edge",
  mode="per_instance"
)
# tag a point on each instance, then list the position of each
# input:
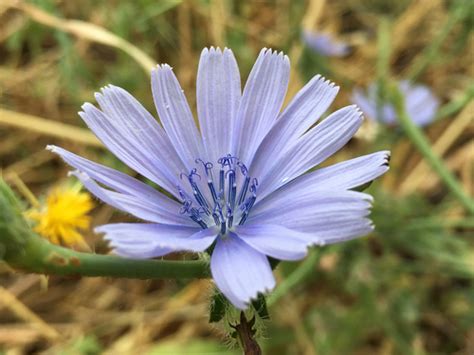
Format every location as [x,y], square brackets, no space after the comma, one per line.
[175,115]
[143,239]
[145,209]
[341,176]
[324,232]
[326,215]
[124,146]
[239,271]
[261,102]
[275,241]
[302,207]
[301,113]
[312,149]
[218,97]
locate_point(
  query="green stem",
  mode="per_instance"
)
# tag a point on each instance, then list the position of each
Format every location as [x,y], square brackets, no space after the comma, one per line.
[430,53]
[305,269]
[40,256]
[23,249]
[383,64]
[422,144]
[454,106]
[436,223]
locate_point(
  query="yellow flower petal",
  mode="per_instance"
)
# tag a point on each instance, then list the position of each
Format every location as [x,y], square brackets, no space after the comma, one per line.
[62,216]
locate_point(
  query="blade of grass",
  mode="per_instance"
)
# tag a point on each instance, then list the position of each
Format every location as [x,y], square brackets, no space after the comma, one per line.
[440,147]
[48,127]
[87,31]
[422,144]
[302,272]
[383,64]
[461,8]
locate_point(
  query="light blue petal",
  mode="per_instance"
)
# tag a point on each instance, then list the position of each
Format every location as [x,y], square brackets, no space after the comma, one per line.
[421,104]
[218,96]
[145,132]
[311,149]
[176,116]
[148,209]
[239,271]
[125,146]
[324,44]
[329,216]
[302,112]
[151,240]
[365,103]
[341,176]
[261,102]
[112,178]
[275,241]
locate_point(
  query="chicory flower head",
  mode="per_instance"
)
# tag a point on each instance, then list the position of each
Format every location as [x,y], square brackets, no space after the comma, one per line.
[421,105]
[238,183]
[325,44]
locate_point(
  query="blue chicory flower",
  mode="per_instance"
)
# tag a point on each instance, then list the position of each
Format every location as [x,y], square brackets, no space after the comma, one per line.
[325,44]
[240,182]
[420,103]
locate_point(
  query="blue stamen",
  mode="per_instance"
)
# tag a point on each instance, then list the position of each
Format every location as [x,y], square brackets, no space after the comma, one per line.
[197,193]
[221,183]
[208,212]
[195,215]
[210,184]
[232,188]
[228,160]
[230,217]
[210,179]
[200,198]
[243,192]
[198,221]
[247,206]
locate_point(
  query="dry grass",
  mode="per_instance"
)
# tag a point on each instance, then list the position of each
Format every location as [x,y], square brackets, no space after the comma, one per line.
[40,93]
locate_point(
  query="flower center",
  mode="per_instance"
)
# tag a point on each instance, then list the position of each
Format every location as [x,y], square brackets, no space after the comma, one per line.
[224,197]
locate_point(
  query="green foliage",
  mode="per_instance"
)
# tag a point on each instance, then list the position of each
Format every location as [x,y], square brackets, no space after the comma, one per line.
[408,288]
[12,225]
[413,280]
[85,345]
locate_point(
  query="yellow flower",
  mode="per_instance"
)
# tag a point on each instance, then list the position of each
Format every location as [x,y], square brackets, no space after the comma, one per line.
[64,214]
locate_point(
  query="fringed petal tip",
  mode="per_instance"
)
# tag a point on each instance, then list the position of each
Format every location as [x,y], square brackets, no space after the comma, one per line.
[269,52]
[212,50]
[386,158]
[161,68]
[52,148]
[79,174]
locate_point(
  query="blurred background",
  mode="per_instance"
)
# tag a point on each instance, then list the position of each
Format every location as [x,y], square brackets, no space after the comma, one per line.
[406,289]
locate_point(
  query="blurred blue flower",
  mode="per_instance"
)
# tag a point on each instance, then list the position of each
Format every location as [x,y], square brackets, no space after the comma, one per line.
[239,182]
[324,44]
[421,104]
